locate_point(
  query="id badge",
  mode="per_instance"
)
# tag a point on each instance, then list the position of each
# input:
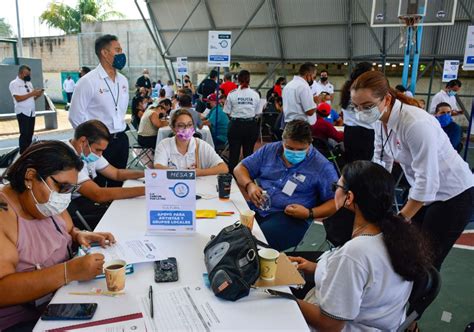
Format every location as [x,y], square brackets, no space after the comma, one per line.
[289,188]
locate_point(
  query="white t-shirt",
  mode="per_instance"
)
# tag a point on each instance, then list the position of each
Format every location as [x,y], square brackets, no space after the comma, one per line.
[298,99]
[96,96]
[318,87]
[443,97]
[242,103]
[69,86]
[18,87]
[357,283]
[434,170]
[169,91]
[167,154]
[351,120]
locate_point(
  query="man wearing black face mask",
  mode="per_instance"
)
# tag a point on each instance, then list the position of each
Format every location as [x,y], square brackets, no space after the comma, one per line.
[24,97]
[298,103]
[321,86]
[103,95]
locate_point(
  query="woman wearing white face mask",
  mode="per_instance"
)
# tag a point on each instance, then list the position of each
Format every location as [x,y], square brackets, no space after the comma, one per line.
[184,151]
[441,198]
[36,233]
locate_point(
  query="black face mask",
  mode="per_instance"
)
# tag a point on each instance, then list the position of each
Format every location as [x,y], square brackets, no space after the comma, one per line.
[27,78]
[324,78]
[339,226]
[310,82]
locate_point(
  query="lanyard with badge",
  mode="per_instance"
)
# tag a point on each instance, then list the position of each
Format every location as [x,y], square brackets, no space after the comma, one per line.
[117,122]
[291,184]
[381,162]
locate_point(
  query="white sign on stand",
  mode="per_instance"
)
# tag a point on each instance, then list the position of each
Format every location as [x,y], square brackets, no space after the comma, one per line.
[171,201]
[182,63]
[450,70]
[218,52]
[469,51]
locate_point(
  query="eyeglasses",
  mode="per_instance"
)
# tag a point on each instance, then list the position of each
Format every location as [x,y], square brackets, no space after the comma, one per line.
[66,188]
[364,108]
[335,186]
[182,126]
[27,88]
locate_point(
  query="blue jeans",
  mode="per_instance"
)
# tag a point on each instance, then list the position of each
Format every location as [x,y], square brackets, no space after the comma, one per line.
[282,231]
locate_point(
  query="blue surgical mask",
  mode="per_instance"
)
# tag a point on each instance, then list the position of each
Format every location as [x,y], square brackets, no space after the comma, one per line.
[294,157]
[451,93]
[119,61]
[91,157]
[444,119]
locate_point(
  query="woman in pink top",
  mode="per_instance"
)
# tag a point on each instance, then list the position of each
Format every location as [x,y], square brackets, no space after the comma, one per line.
[36,233]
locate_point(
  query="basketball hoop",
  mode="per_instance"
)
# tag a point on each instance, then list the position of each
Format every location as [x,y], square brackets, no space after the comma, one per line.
[411,21]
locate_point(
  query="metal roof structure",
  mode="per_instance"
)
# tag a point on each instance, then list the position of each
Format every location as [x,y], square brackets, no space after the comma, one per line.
[293,30]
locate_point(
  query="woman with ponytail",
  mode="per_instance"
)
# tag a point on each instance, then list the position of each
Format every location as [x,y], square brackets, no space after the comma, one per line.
[441,197]
[365,284]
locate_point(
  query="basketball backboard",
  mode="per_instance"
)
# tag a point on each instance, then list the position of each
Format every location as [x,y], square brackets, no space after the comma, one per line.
[387,13]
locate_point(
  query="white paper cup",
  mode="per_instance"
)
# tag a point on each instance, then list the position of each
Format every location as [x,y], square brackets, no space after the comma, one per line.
[247,218]
[115,275]
[268,264]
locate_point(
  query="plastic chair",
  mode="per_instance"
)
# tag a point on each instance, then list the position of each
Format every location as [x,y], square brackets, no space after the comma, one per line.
[424,291]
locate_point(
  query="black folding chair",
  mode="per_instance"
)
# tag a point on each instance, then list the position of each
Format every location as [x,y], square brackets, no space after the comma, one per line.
[424,291]
[139,152]
[333,154]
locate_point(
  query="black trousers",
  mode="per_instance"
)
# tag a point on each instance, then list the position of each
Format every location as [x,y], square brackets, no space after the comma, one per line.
[358,143]
[27,128]
[443,222]
[147,141]
[69,96]
[117,155]
[92,212]
[241,135]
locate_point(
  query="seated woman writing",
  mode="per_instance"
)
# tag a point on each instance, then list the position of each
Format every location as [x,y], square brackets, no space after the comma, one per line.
[37,234]
[365,284]
[183,151]
[153,119]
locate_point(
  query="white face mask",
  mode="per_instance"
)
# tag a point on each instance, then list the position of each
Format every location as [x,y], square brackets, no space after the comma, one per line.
[56,204]
[370,115]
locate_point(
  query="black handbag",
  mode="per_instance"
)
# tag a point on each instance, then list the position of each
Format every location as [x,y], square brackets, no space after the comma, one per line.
[232,264]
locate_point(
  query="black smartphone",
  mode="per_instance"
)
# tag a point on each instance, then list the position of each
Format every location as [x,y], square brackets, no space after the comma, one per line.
[166,270]
[69,311]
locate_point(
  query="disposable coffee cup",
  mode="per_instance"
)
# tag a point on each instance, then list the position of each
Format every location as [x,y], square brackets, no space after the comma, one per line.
[268,263]
[115,275]
[247,218]
[224,182]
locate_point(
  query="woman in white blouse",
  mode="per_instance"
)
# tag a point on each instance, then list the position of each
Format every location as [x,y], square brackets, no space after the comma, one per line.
[365,284]
[184,151]
[441,197]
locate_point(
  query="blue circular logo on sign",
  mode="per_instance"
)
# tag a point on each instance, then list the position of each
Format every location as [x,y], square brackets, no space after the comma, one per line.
[180,189]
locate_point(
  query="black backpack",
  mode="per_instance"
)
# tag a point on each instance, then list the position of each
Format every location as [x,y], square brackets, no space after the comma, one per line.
[7,159]
[232,264]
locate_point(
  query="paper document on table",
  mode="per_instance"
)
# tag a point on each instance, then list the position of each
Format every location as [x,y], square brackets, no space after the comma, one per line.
[137,250]
[181,309]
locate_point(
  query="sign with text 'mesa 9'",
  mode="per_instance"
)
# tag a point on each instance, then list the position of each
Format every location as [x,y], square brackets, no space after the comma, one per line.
[171,201]
[218,48]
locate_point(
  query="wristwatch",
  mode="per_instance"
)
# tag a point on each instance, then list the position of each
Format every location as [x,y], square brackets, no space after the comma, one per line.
[311,215]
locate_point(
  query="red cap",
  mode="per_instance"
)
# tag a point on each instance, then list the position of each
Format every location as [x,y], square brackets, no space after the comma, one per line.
[324,109]
[211,97]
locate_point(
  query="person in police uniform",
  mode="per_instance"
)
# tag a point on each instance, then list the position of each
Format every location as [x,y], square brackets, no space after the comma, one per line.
[103,95]
[242,106]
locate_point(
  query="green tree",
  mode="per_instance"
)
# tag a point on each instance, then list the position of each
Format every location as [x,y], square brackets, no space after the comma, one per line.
[68,19]
[5,28]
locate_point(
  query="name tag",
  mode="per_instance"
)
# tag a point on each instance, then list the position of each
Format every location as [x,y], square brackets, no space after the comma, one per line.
[289,188]
[300,177]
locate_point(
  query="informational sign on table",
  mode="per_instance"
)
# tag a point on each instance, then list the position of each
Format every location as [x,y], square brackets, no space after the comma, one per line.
[450,70]
[182,64]
[469,51]
[171,201]
[219,44]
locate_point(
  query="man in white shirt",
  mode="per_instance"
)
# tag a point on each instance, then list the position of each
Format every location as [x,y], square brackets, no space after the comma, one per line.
[24,97]
[90,140]
[447,95]
[321,86]
[68,87]
[298,103]
[103,95]
[169,89]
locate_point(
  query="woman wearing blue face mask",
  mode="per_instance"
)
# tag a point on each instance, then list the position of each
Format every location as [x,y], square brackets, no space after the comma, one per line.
[37,234]
[296,177]
[451,128]
[441,197]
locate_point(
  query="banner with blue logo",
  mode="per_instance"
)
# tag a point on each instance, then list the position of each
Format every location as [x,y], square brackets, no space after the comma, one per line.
[171,201]
[218,48]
